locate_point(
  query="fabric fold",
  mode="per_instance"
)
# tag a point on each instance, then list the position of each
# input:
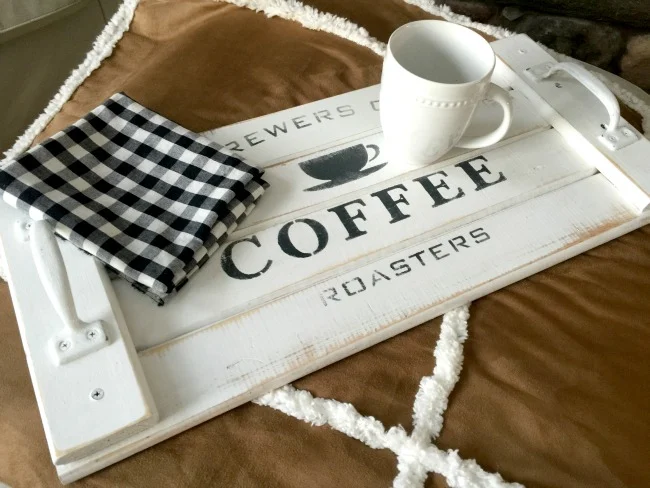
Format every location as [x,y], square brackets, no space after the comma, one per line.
[147,197]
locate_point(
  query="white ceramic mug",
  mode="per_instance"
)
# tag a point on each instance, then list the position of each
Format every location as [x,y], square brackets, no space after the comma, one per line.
[434,75]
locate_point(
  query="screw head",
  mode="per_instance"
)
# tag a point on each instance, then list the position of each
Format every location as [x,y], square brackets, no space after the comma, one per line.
[522,51]
[64,345]
[97,394]
[92,334]
[627,132]
[611,138]
[558,85]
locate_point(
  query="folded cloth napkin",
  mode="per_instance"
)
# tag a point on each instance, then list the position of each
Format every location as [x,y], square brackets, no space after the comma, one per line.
[149,198]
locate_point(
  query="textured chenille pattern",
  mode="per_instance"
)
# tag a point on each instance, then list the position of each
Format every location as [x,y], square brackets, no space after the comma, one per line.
[149,198]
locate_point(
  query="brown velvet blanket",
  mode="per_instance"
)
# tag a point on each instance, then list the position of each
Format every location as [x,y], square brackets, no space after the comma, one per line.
[554,389]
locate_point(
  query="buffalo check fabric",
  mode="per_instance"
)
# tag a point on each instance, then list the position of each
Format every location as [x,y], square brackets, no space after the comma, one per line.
[149,198]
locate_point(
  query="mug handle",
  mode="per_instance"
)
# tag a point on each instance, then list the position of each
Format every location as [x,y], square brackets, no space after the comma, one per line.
[500,96]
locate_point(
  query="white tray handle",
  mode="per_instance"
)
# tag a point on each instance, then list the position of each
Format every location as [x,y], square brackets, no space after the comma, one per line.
[594,85]
[617,134]
[51,270]
[75,339]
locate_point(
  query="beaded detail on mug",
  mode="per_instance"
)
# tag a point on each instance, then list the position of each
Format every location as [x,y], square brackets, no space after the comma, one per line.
[428,102]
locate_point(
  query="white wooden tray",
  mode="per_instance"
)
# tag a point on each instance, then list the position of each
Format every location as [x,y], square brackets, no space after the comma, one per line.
[331,262]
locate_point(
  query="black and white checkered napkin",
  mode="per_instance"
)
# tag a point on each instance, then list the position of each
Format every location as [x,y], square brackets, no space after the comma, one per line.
[150,199]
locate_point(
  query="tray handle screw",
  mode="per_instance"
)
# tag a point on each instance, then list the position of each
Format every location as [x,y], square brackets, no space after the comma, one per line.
[97,394]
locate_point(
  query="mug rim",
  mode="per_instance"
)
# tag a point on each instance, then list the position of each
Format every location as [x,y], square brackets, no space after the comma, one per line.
[448,25]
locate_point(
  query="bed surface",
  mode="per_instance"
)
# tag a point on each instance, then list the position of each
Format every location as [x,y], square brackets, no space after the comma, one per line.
[554,384]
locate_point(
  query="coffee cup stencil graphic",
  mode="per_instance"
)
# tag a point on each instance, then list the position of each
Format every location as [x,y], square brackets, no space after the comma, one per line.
[342,166]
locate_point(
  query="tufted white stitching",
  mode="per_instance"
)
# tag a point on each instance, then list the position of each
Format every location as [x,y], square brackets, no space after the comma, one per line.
[416,454]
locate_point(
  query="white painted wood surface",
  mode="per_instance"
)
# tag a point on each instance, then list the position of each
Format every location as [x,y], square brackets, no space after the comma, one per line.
[578,115]
[224,340]
[214,369]
[530,166]
[287,200]
[287,195]
[288,134]
[76,425]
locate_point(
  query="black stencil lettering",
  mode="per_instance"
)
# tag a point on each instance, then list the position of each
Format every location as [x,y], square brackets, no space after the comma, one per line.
[362,286]
[437,253]
[400,267]
[251,139]
[348,220]
[378,276]
[479,235]
[332,296]
[323,114]
[418,256]
[274,130]
[434,190]
[476,174]
[234,146]
[229,267]
[391,204]
[458,241]
[284,241]
[345,110]
[299,122]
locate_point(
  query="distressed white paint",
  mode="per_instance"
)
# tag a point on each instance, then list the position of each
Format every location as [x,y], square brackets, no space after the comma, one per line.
[531,166]
[286,135]
[286,200]
[214,369]
[578,115]
[75,424]
[549,210]
[287,194]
